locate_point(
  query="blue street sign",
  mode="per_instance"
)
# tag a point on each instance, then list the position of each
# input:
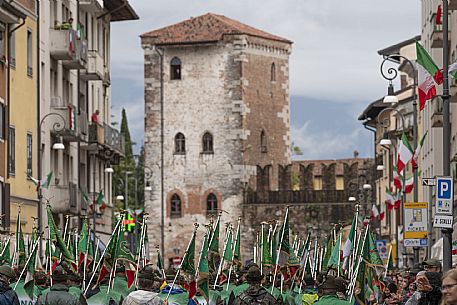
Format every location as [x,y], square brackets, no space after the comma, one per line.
[444,195]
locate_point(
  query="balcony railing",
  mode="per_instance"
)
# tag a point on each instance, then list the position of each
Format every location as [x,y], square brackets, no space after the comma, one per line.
[297,197]
[72,121]
[95,69]
[96,133]
[114,139]
[66,46]
[437,33]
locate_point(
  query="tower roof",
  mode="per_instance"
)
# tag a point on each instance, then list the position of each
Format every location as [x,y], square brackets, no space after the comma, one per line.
[205,28]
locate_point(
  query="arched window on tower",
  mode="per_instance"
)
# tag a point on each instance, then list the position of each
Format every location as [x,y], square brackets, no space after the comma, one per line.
[207,140]
[211,204]
[263,142]
[175,68]
[180,143]
[175,206]
[273,72]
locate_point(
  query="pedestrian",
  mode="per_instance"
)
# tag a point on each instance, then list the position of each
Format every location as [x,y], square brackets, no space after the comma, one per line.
[390,295]
[432,265]
[428,289]
[327,291]
[255,294]
[58,294]
[449,287]
[7,295]
[145,294]
[310,292]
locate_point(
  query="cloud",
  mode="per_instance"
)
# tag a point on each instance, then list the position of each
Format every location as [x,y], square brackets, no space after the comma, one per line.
[334,54]
[316,143]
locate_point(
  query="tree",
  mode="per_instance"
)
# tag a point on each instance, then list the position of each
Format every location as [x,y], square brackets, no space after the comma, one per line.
[127,164]
[296,150]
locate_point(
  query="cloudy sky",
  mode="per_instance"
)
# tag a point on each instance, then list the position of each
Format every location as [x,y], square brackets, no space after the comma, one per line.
[334,66]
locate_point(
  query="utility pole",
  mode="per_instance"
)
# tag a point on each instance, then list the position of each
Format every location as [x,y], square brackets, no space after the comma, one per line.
[447,233]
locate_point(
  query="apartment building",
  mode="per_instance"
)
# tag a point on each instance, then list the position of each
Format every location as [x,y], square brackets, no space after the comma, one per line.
[75,92]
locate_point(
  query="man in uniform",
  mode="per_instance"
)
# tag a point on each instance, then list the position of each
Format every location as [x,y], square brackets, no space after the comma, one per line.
[58,294]
[328,292]
[145,294]
[7,294]
[255,294]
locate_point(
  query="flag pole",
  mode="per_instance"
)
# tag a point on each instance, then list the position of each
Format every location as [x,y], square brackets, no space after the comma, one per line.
[101,257]
[388,259]
[304,270]
[139,250]
[262,245]
[28,260]
[85,258]
[279,252]
[96,251]
[222,258]
[339,256]
[180,265]
[359,260]
[113,271]
[302,262]
[233,253]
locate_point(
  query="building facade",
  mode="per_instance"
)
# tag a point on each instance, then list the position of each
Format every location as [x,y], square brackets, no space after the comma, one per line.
[217,117]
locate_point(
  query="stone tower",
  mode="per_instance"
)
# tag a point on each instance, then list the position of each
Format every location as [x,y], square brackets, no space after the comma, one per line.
[217,123]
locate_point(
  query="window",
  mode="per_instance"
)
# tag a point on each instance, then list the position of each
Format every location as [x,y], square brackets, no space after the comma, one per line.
[2,120]
[273,72]
[263,142]
[317,183]
[175,68]
[12,150]
[29,53]
[13,50]
[211,204]
[175,206]
[339,183]
[29,154]
[207,143]
[180,144]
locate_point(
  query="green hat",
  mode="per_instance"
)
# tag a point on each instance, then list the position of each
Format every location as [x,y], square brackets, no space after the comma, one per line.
[7,271]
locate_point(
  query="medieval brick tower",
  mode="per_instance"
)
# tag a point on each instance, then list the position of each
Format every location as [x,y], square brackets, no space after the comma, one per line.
[216,122]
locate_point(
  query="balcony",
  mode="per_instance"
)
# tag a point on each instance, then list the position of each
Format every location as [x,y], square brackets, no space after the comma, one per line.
[297,197]
[66,46]
[437,112]
[71,131]
[96,134]
[437,33]
[95,69]
[65,198]
[91,6]
[107,78]
[113,139]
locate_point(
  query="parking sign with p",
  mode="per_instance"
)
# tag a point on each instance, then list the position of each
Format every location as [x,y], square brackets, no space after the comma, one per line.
[444,195]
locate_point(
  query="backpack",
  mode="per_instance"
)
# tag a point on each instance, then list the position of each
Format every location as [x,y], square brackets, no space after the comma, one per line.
[249,300]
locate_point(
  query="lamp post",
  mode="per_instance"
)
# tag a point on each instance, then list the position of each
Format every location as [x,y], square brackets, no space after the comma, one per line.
[387,143]
[391,74]
[57,127]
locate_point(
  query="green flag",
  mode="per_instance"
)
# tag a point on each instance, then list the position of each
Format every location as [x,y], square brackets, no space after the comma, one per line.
[214,245]
[274,244]
[284,239]
[5,256]
[334,260]
[267,260]
[373,254]
[228,254]
[328,252]
[20,243]
[57,238]
[83,243]
[160,265]
[203,270]
[188,261]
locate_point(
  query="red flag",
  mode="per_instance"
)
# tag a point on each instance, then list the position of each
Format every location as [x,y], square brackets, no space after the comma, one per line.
[438,15]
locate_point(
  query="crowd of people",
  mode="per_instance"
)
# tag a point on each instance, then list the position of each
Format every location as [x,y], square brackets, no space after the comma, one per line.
[423,285]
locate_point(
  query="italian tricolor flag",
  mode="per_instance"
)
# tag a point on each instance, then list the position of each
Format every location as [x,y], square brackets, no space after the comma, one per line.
[405,153]
[428,73]
[349,244]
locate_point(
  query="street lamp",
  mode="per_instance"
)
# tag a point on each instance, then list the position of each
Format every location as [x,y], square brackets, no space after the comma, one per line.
[391,74]
[120,197]
[352,199]
[57,127]
[109,170]
[385,142]
[366,186]
[380,167]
